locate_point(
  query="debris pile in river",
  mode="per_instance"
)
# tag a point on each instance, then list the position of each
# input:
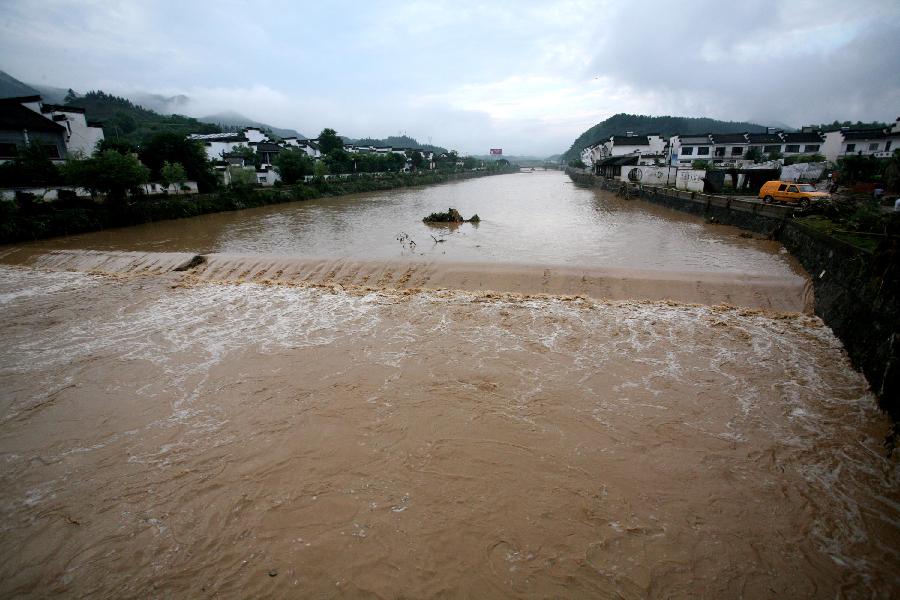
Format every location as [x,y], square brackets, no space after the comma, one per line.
[451,216]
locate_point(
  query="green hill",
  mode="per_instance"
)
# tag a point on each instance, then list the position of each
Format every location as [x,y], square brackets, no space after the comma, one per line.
[622,123]
[123,120]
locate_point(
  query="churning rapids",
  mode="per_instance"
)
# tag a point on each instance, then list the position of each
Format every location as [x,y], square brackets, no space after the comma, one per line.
[353,425]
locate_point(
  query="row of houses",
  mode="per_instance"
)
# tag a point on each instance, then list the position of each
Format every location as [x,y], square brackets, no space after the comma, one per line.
[731,149]
[223,149]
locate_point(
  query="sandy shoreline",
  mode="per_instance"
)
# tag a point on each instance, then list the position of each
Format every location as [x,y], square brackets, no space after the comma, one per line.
[784,294]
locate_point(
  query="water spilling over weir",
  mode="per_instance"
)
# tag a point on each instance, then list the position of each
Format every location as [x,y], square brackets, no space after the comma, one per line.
[246,424]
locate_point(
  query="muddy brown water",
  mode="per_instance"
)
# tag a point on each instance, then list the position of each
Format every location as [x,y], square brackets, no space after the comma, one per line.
[191,434]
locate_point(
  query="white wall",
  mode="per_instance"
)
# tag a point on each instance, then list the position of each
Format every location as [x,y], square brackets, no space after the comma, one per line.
[82,138]
[661,176]
[690,179]
[215,149]
[255,135]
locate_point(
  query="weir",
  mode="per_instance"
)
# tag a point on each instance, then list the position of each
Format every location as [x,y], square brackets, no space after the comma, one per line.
[774,293]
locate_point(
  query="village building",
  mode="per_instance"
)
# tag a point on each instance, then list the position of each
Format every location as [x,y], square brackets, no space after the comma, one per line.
[728,148]
[766,143]
[685,149]
[21,125]
[219,144]
[82,136]
[802,143]
[26,119]
[879,142]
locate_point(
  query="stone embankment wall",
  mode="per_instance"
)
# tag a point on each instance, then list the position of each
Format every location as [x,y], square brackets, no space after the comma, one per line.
[856,292]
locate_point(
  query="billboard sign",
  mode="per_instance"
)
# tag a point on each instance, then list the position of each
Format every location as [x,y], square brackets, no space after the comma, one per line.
[496,151]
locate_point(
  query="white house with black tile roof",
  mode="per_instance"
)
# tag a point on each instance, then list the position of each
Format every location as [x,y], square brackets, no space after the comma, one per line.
[21,125]
[767,143]
[729,148]
[82,136]
[219,144]
[862,142]
[685,149]
[25,118]
[802,142]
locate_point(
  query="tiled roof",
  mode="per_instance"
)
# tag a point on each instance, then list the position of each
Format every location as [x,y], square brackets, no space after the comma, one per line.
[802,138]
[864,134]
[631,140]
[228,136]
[15,117]
[729,138]
[764,138]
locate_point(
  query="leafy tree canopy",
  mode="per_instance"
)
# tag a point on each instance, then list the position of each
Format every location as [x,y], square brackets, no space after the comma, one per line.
[330,141]
[293,165]
[175,148]
[30,167]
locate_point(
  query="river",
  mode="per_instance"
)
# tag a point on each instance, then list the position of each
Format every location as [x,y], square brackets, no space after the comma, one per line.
[477,432]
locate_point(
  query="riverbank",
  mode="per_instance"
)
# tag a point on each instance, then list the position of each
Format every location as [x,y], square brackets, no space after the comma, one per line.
[856,289]
[44,220]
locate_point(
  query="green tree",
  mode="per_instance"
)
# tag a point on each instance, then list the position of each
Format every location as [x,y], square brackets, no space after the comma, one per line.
[754,154]
[241,176]
[30,167]
[108,173]
[71,97]
[339,161]
[174,147]
[320,169]
[120,146]
[577,163]
[700,164]
[470,162]
[775,155]
[418,161]
[172,173]
[329,141]
[293,165]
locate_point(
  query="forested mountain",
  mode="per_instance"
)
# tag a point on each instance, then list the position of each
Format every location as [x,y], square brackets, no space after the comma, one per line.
[123,120]
[622,123]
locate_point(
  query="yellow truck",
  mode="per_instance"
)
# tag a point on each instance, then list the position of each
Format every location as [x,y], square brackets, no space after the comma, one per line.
[790,192]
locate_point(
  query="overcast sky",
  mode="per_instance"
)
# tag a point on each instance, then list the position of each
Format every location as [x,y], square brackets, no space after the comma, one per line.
[525,76]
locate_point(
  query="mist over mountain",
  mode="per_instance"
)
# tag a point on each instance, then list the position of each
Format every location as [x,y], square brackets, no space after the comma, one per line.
[233,120]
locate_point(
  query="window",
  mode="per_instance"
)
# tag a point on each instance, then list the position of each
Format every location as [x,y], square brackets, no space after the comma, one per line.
[811,148]
[686,150]
[52,150]
[768,149]
[703,150]
[737,151]
[851,147]
[7,150]
[782,187]
[873,146]
[887,145]
[792,148]
[720,151]
[792,189]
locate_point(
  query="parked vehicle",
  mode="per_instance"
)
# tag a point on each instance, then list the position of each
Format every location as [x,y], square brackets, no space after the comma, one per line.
[790,192]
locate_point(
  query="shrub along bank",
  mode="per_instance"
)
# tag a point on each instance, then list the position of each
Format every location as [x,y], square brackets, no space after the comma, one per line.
[26,220]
